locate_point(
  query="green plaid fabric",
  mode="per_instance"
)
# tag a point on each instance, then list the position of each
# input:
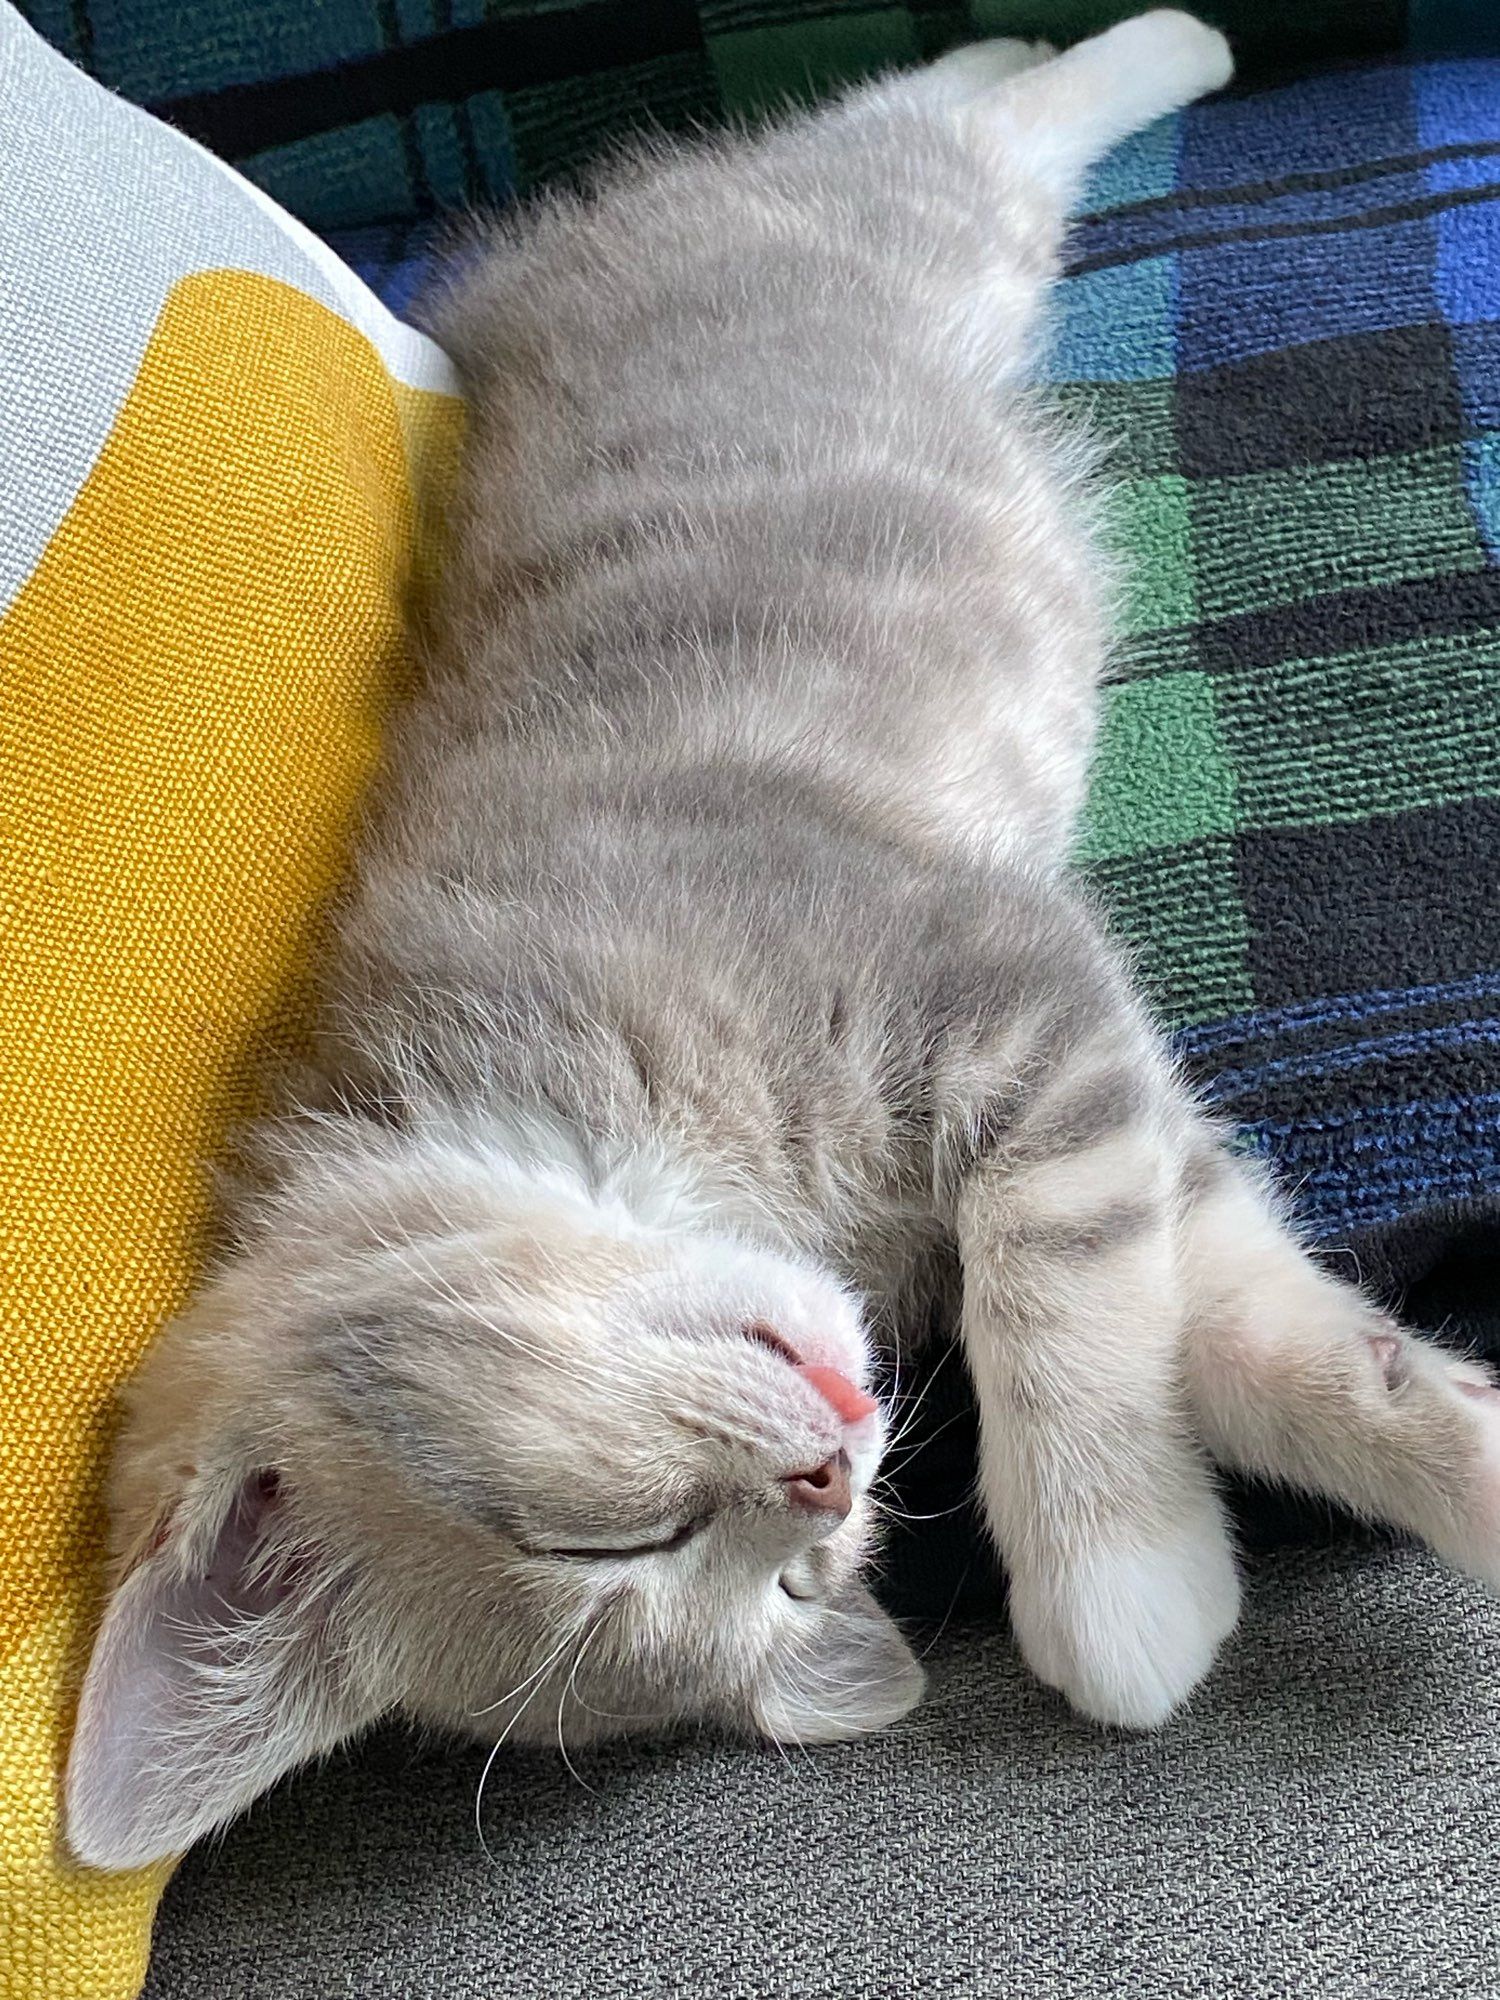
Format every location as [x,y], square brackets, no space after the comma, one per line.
[352,111]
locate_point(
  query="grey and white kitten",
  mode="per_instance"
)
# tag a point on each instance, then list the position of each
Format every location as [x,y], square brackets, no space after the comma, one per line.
[710,975]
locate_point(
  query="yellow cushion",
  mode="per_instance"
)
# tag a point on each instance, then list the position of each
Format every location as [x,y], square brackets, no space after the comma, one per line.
[196,658]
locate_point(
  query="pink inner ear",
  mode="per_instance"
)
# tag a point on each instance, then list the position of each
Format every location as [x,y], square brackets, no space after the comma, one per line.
[851,1403]
[153,1764]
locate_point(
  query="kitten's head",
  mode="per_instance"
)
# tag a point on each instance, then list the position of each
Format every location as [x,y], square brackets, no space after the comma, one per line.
[461,1437]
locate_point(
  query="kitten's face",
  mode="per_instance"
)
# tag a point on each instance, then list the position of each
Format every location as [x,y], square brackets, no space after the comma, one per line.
[481,1449]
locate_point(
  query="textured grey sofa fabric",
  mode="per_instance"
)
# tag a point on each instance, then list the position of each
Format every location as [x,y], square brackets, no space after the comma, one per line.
[1323,1824]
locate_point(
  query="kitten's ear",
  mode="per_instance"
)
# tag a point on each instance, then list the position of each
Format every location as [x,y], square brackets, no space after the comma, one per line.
[853,1673]
[213,1674]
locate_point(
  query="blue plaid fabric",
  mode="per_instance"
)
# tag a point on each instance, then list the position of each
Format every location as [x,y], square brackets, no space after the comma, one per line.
[353,111]
[1285,306]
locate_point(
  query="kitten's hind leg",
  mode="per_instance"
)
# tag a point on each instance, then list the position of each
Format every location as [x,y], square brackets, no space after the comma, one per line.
[1295,1376]
[1057,117]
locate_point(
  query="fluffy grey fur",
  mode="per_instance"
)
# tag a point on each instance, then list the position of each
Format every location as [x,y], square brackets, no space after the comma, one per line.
[709,978]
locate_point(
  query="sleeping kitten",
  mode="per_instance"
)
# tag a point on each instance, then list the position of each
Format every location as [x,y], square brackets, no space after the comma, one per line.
[709,974]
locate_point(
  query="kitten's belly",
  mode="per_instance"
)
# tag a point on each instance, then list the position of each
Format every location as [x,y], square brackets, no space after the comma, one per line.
[989,756]
[959,694]
[1006,779]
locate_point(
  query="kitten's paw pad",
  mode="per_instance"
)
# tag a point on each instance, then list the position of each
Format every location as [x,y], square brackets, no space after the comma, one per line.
[1128,1635]
[1389,1352]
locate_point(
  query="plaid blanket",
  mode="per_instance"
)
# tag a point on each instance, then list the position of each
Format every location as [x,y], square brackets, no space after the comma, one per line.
[353,111]
[1288,313]
[1284,311]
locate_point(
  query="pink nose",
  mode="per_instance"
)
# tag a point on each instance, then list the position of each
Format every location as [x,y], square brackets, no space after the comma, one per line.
[824,1490]
[851,1404]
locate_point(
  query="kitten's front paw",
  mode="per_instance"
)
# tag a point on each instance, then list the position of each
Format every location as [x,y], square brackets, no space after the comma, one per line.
[1127,1634]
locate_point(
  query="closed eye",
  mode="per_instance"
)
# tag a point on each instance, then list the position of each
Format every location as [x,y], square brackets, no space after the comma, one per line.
[659,1545]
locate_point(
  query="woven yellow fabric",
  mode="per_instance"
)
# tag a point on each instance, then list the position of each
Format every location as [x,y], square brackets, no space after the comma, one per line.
[193,677]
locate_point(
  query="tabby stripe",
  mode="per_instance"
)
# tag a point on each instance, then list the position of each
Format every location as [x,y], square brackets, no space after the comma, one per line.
[1113,1225]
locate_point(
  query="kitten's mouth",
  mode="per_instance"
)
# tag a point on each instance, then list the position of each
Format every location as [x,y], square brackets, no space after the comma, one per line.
[850,1403]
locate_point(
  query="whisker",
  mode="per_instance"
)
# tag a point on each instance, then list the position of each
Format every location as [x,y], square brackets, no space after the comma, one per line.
[888,1510]
[908,1417]
[498,1744]
[947,1424]
[566,1694]
[958,1591]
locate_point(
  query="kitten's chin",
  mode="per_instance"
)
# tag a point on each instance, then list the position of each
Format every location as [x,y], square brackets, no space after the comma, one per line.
[845,1671]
